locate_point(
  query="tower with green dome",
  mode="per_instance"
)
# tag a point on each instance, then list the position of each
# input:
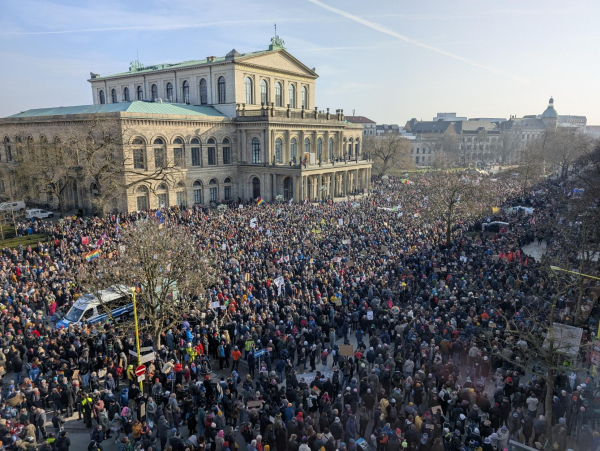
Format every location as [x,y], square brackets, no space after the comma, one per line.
[550,117]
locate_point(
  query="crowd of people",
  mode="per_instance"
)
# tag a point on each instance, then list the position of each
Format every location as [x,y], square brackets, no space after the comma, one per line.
[337,326]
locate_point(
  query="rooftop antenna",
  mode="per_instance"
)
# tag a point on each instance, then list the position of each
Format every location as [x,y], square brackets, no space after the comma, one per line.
[275,29]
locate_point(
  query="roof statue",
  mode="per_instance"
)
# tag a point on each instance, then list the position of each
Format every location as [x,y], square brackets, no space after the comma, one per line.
[276,41]
[134,66]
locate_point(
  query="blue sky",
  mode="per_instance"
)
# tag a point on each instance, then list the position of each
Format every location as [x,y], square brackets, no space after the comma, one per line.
[389,60]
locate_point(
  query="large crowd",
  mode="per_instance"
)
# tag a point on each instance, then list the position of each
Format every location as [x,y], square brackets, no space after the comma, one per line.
[371,332]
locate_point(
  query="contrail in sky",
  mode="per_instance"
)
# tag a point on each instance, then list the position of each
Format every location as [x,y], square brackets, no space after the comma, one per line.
[388,31]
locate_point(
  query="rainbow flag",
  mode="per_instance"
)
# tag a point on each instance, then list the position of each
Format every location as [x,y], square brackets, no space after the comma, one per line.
[92,255]
[260,201]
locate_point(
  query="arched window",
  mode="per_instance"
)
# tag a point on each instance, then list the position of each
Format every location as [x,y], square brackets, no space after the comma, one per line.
[212,152]
[226,151]
[248,90]
[304,98]
[221,86]
[140,93]
[214,190]
[292,96]
[113,96]
[154,91]
[160,157]
[264,92]
[169,92]
[357,147]
[180,194]
[141,194]
[197,187]
[101,97]
[139,162]
[255,187]
[196,156]
[293,144]
[203,92]
[278,145]
[8,149]
[306,145]
[278,94]
[162,195]
[350,150]
[178,154]
[319,149]
[227,189]
[331,148]
[255,150]
[126,97]
[344,147]
[185,90]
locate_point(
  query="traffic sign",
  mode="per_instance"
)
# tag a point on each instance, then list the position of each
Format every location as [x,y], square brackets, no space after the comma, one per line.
[148,357]
[141,378]
[140,370]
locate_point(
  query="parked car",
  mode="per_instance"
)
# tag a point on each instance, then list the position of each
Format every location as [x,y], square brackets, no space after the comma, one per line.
[38,214]
[14,206]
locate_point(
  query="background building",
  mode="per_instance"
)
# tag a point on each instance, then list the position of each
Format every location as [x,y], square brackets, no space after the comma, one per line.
[369,126]
[242,125]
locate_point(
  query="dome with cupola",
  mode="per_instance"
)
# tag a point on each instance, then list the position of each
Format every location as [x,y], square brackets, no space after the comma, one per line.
[550,112]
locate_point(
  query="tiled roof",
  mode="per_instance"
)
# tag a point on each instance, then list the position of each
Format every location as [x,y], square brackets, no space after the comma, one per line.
[472,126]
[431,127]
[359,120]
[180,109]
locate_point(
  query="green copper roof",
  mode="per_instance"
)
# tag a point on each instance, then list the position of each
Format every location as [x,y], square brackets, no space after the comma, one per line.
[136,67]
[180,109]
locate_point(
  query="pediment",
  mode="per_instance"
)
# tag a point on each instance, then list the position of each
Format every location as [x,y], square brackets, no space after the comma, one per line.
[280,60]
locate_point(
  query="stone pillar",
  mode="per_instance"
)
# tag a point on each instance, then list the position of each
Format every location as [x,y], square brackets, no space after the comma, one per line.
[331,185]
[300,151]
[241,157]
[326,147]
[319,186]
[265,156]
[345,183]
[244,146]
[263,188]
[274,192]
[340,145]
[304,187]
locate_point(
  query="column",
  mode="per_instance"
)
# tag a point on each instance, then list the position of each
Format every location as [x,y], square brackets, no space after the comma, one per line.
[331,185]
[356,187]
[273,186]
[325,148]
[345,186]
[319,186]
[263,139]
[286,147]
[240,156]
[340,144]
[245,151]
[300,151]
[304,187]
[263,189]
[297,189]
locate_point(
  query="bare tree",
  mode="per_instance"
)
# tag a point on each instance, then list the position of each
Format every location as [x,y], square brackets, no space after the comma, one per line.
[97,155]
[531,164]
[44,166]
[168,267]
[389,151]
[564,147]
[454,196]
[536,340]
[508,147]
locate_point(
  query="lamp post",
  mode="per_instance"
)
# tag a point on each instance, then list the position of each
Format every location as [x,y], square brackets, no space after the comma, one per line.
[137,336]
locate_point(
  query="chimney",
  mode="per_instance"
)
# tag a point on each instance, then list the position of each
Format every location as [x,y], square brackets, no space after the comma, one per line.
[210,59]
[353,112]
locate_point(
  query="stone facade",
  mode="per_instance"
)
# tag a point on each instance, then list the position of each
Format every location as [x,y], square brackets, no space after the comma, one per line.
[217,153]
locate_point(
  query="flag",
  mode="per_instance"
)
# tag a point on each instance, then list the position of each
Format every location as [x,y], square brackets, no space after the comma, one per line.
[260,201]
[100,242]
[92,255]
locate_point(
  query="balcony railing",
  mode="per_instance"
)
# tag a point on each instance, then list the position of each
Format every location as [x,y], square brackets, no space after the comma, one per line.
[265,112]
